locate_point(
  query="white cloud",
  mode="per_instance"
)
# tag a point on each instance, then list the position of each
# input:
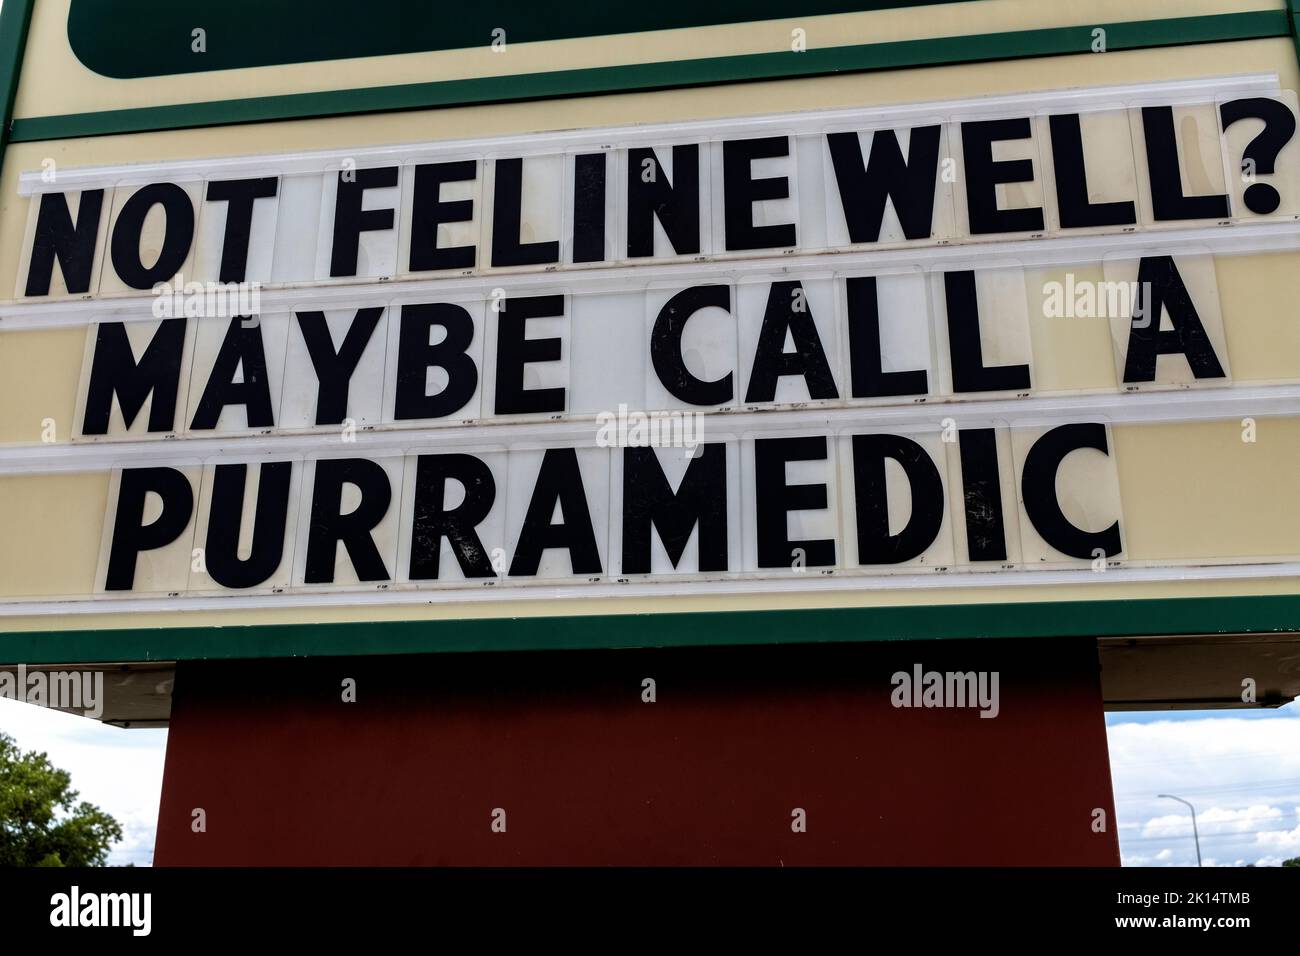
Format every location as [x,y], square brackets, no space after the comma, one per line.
[1285,842]
[1215,819]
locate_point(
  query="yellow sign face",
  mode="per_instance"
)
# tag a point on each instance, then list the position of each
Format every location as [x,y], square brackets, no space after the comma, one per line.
[1002,339]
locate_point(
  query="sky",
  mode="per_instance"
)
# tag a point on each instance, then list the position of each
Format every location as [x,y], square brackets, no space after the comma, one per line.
[1240,769]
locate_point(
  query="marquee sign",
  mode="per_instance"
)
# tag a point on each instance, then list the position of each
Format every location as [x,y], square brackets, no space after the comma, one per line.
[682,354]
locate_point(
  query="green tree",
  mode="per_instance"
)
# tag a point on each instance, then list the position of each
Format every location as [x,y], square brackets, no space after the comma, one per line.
[1294,861]
[41,822]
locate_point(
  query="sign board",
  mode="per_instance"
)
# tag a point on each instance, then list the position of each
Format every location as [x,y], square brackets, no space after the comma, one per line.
[939,341]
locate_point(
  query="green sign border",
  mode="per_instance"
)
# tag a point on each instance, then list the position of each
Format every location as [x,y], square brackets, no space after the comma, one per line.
[1051,619]
[1109,618]
[1054,41]
[15,18]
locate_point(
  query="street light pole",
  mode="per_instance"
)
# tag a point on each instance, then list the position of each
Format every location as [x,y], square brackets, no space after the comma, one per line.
[1195,835]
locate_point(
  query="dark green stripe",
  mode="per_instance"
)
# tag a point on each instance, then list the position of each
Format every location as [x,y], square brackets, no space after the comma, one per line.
[1292,9]
[15,18]
[128,39]
[1052,619]
[651,76]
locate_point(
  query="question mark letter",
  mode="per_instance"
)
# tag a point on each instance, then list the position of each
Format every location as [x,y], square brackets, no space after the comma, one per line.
[1260,157]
